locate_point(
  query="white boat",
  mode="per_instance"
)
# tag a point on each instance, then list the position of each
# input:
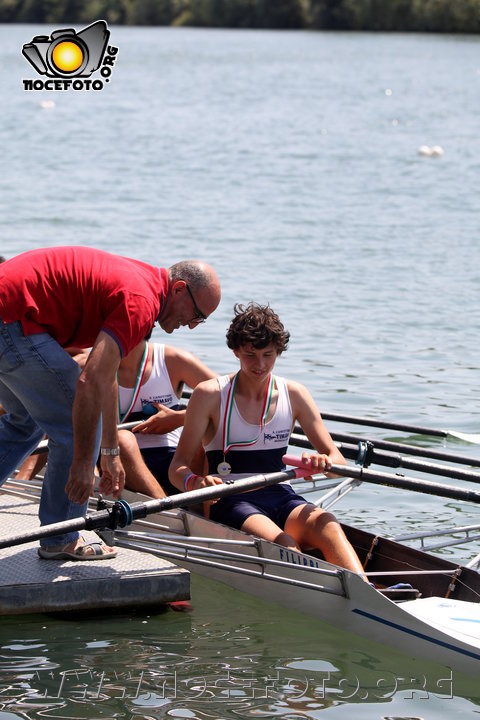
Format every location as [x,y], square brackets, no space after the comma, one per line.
[437,619]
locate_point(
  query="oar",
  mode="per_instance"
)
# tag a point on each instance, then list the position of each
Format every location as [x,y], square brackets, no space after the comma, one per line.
[298,438]
[365,453]
[122,513]
[398,481]
[43,444]
[415,429]
[395,460]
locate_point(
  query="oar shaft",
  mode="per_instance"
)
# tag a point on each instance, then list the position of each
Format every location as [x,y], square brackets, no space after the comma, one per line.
[402,427]
[410,449]
[397,481]
[110,517]
[395,460]
[43,444]
[59,528]
[372,422]
[409,483]
[298,438]
[215,492]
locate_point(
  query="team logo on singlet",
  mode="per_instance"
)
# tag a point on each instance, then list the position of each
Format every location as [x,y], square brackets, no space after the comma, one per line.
[277,436]
[162,399]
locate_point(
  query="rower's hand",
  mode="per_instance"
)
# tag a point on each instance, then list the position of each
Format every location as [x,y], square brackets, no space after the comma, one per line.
[112,481]
[80,482]
[165,420]
[203,481]
[316,462]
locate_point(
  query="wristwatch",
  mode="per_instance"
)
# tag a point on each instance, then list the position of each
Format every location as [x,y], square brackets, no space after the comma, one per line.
[110,451]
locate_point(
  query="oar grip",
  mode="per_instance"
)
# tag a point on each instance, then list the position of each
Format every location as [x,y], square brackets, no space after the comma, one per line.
[304,467]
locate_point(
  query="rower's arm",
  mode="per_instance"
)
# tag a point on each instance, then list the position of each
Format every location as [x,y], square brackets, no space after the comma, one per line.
[308,416]
[199,418]
[185,367]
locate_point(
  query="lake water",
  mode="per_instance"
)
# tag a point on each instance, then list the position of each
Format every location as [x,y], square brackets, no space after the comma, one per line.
[289,161]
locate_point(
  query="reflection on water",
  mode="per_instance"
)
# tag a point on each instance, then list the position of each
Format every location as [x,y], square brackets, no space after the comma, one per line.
[253,660]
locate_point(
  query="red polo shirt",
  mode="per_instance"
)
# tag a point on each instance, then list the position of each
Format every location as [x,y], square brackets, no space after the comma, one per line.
[73,293]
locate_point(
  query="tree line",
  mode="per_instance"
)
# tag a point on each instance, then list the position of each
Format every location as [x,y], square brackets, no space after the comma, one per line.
[452,16]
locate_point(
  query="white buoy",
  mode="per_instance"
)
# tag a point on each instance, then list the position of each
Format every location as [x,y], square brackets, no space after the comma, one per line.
[45,104]
[425,150]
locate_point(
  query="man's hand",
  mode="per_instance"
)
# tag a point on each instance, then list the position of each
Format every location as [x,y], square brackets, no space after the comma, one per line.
[112,481]
[79,486]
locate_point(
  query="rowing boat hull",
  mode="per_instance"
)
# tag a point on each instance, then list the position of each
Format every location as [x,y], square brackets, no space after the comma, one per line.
[440,629]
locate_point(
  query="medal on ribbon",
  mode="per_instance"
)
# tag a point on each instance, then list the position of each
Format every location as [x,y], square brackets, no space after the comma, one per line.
[224,468]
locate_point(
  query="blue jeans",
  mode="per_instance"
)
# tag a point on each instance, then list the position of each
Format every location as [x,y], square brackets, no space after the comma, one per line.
[37,387]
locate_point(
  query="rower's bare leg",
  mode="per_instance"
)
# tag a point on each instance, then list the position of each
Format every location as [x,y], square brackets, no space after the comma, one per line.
[138,476]
[31,466]
[314,527]
[261,526]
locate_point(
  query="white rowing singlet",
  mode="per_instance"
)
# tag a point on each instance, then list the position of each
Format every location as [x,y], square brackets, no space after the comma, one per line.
[265,455]
[158,388]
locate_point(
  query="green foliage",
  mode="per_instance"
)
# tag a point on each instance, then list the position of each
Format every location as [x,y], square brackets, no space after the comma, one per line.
[243,14]
[454,16]
[447,16]
[150,12]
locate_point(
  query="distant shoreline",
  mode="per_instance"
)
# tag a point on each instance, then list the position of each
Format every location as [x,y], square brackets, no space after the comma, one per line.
[416,16]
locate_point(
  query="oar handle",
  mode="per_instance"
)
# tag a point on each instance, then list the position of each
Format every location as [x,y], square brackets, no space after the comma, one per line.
[297,462]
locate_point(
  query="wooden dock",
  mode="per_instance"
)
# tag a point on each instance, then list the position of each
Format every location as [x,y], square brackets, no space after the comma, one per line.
[29,584]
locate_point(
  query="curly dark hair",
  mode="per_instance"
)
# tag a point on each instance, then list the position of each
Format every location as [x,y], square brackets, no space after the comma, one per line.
[258,325]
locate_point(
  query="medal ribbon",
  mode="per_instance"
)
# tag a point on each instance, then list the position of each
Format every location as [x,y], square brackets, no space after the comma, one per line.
[136,389]
[227,443]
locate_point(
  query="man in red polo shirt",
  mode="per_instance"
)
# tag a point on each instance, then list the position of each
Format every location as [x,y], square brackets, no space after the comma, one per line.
[61,297]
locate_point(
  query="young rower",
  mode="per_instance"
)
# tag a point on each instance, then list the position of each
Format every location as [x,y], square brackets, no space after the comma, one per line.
[150,383]
[244,421]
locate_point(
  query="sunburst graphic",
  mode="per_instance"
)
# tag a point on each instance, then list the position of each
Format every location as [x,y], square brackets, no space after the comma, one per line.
[67,56]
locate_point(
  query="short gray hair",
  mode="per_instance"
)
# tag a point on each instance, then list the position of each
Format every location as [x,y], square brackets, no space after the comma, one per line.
[190,271]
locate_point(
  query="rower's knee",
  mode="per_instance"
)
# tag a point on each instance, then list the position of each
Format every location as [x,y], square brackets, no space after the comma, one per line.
[324,522]
[127,441]
[287,541]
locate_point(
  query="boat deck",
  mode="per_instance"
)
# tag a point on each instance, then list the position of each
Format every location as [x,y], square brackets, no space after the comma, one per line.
[29,584]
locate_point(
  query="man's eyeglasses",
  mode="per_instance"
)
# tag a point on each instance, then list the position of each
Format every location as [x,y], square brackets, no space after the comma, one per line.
[199,317]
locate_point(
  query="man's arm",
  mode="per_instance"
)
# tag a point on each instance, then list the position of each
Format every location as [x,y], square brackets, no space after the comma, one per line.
[95,393]
[307,414]
[199,421]
[112,481]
